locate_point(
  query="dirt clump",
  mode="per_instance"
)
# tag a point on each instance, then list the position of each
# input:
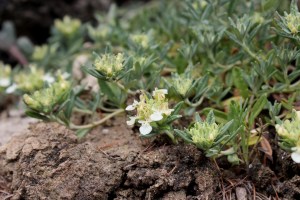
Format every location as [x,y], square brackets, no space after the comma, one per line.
[50,162]
[290,189]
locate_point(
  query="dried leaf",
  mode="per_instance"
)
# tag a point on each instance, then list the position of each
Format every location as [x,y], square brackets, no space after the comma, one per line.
[266,148]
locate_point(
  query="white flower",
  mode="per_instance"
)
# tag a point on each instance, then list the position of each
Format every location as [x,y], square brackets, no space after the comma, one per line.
[298,115]
[149,110]
[156,116]
[131,121]
[4,82]
[11,88]
[146,128]
[159,92]
[48,78]
[132,106]
[296,154]
[65,75]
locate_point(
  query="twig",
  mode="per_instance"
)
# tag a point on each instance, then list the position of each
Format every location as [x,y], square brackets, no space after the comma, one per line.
[148,147]
[8,196]
[254,192]
[172,170]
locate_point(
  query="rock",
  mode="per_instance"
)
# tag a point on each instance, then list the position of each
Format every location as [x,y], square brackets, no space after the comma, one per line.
[49,162]
[241,193]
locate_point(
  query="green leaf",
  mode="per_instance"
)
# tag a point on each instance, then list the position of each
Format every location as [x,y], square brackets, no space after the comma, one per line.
[201,86]
[210,117]
[177,108]
[36,115]
[226,126]
[257,108]
[183,135]
[112,92]
[198,118]
[270,5]
[240,83]
[253,140]
[220,117]
[93,72]
[172,118]
[71,103]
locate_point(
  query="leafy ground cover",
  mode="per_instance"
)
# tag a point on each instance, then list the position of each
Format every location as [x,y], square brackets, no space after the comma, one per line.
[211,86]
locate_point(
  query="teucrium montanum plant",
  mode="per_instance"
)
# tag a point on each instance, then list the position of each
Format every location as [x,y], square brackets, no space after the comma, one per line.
[153,112]
[208,55]
[289,134]
[208,135]
[43,102]
[109,65]
[290,23]
[68,26]
[182,83]
[30,80]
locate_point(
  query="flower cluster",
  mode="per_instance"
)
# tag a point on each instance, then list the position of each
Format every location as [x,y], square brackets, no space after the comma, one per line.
[293,22]
[204,134]
[182,83]
[150,110]
[100,32]
[41,52]
[31,80]
[67,26]
[289,133]
[44,100]
[27,81]
[141,39]
[290,23]
[5,76]
[110,65]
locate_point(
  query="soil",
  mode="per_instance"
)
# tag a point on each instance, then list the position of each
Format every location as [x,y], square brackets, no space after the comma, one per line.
[49,162]
[13,123]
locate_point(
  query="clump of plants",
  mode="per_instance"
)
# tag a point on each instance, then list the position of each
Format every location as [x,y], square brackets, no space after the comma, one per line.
[234,66]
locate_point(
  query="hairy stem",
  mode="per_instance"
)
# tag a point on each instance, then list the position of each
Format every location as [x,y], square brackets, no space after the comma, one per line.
[97,123]
[198,103]
[171,136]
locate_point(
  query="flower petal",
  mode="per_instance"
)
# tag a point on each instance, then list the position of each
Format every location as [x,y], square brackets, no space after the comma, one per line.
[167,111]
[48,78]
[4,82]
[131,121]
[156,116]
[130,108]
[135,102]
[159,92]
[11,89]
[296,156]
[65,75]
[145,129]
[165,91]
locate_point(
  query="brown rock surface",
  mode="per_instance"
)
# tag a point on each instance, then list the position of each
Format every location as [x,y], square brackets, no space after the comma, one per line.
[49,162]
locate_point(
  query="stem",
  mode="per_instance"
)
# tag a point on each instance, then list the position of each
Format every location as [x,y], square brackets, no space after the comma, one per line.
[122,87]
[171,135]
[82,111]
[251,54]
[57,119]
[97,123]
[107,109]
[187,101]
